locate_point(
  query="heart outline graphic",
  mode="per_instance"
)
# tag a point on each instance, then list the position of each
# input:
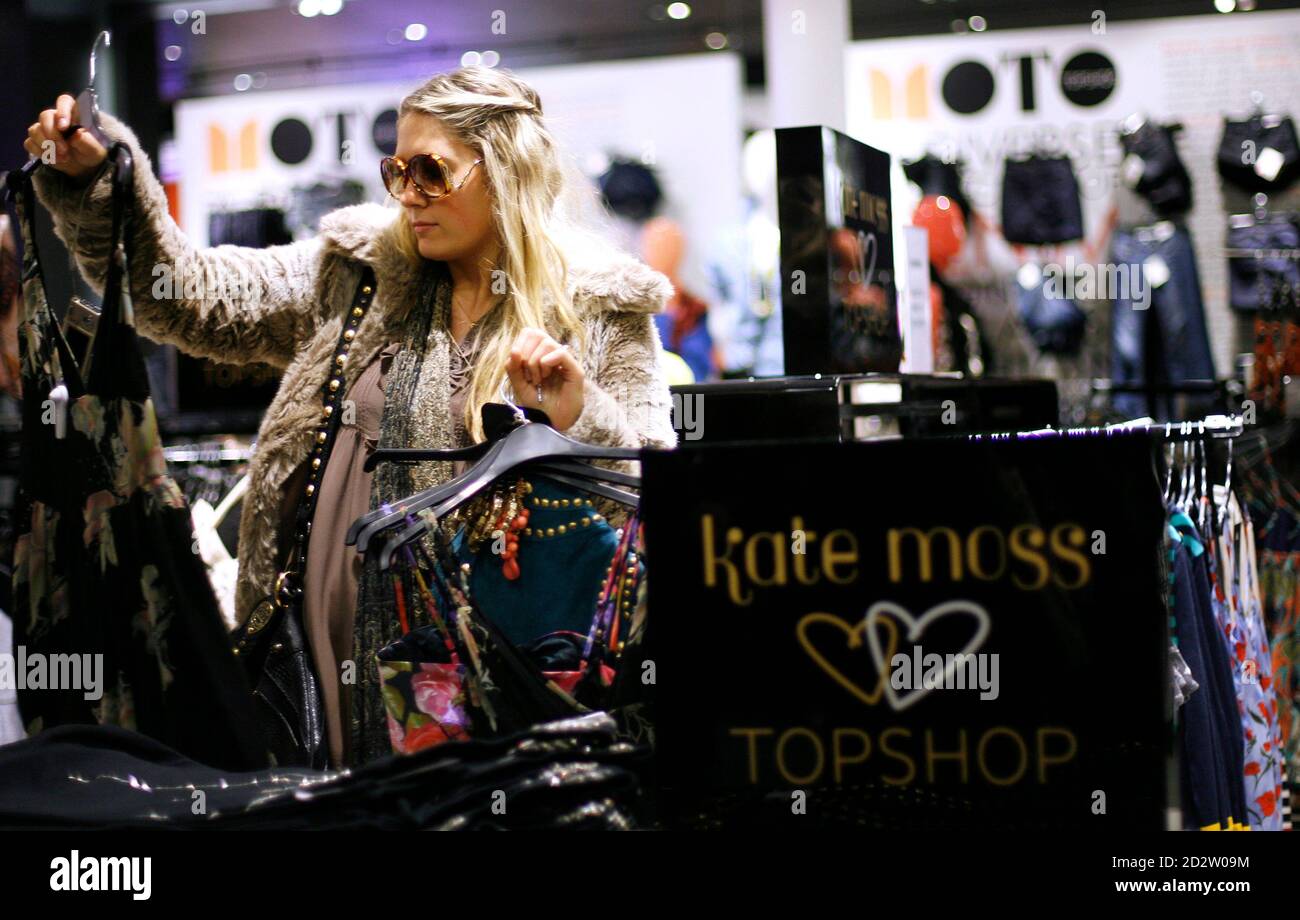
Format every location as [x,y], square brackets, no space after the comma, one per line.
[867,242]
[917,626]
[801,632]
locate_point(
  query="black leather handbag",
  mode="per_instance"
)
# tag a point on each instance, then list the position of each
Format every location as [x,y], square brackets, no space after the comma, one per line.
[272,642]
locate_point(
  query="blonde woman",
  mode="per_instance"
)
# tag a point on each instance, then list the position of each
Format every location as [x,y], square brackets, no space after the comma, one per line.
[483,292]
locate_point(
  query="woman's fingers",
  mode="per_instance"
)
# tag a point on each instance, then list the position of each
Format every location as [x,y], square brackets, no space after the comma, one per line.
[540,348]
[77,155]
[522,350]
[49,132]
[65,108]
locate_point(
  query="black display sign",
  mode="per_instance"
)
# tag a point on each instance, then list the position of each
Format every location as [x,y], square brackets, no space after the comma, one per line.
[839,302]
[909,634]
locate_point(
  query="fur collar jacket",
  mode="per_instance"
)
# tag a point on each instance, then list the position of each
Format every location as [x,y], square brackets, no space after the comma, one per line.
[286,305]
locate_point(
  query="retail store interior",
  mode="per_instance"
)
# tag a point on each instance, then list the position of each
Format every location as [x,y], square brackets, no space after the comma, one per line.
[929,358]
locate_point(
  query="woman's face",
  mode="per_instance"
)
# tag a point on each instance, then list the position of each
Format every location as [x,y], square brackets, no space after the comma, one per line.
[458,226]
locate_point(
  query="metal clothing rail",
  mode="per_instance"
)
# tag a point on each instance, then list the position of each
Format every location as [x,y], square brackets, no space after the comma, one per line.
[1215,426]
[197,453]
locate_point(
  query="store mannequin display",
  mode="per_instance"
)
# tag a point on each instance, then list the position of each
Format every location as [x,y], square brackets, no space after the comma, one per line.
[440,334]
[958,341]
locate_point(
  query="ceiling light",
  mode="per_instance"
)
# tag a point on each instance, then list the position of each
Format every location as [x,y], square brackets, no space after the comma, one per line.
[716,40]
[309,8]
[679,10]
[416,31]
[977,23]
[471,59]
[491,59]
[960,25]
[173,53]
[243,82]
[1225,6]
[179,17]
[330,7]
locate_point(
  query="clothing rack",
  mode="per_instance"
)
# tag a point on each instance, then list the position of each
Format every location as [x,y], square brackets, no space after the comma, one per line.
[216,452]
[1215,426]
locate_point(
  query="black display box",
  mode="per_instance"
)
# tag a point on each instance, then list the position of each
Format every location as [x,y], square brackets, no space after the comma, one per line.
[850,407]
[839,301]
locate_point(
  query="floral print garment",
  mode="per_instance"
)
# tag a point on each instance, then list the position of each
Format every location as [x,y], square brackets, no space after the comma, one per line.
[1239,614]
[107,579]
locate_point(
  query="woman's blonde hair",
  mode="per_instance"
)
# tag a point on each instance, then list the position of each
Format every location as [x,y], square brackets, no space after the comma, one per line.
[500,117]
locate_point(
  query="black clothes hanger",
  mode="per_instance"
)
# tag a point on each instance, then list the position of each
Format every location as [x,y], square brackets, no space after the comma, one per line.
[525,444]
[498,421]
[578,475]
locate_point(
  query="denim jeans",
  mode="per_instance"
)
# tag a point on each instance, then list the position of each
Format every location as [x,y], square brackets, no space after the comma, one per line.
[1160,336]
[1270,275]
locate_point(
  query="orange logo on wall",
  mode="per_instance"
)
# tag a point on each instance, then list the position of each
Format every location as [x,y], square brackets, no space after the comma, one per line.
[225,156]
[916,104]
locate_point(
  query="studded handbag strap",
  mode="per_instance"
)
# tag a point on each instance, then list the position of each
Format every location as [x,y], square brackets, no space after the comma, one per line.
[289,585]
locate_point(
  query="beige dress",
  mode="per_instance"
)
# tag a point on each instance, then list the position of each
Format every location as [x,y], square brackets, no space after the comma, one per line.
[334,568]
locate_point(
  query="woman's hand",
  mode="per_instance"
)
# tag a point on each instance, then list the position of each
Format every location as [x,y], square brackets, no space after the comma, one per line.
[77,156]
[539,364]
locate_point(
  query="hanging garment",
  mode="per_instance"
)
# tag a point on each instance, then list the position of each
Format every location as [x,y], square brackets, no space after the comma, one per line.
[1158,331]
[1279,582]
[1159,175]
[565,552]
[1268,278]
[1040,201]
[1237,611]
[1259,154]
[1209,728]
[104,564]
[496,636]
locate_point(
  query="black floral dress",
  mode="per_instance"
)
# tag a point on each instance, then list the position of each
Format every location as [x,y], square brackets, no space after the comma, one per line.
[114,618]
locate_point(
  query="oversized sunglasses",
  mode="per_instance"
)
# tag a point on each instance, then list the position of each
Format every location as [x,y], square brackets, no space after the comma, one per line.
[427,171]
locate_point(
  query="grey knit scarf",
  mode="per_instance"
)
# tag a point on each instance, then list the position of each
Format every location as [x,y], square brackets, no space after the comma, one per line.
[416,414]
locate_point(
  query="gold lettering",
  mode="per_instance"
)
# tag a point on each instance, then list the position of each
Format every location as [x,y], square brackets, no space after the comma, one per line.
[780,756]
[831,557]
[801,559]
[926,557]
[1020,743]
[838,758]
[780,546]
[973,560]
[911,765]
[753,734]
[1035,539]
[931,756]
[712,562]
[1074,536]
[1044,760]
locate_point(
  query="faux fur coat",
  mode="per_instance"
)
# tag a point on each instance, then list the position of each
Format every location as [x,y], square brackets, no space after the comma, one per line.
[285,305]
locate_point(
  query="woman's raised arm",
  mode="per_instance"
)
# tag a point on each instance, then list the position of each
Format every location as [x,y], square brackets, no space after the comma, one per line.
[233,304]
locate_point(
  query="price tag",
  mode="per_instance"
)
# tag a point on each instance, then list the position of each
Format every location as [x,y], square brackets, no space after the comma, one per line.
[1269,163]
[1156,270]
[1029,276]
